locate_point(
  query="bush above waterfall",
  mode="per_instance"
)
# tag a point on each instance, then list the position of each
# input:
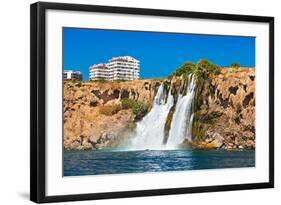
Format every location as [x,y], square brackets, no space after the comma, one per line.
[201,69]
[235,65]
[186,69]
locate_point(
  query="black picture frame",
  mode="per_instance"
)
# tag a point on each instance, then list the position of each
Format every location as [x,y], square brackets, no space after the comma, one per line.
[38,101]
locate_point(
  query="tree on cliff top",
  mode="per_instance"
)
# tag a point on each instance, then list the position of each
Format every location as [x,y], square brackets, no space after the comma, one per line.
[201,69]
[186,69]
[208,67]
[235,65]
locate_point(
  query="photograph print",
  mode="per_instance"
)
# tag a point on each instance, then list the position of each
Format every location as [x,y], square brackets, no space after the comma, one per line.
[143,101]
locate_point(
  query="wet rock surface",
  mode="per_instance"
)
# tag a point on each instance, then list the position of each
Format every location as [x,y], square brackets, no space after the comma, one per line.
[226,118]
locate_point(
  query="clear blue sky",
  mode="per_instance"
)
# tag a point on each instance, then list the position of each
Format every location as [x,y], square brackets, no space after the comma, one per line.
[159,53]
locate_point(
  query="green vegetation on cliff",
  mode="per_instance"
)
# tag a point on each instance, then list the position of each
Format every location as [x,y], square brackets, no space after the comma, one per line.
[104,114]
[235,65]
[139,108]
[201,69]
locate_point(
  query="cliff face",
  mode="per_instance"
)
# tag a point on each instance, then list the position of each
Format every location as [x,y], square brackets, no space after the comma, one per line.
[224,111]
[226,116]
[93,116]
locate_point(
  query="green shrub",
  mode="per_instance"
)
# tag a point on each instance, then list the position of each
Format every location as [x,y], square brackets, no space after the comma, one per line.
[186,69]
[127,103]
[235,65]
[139,108]
[208,67]
[109,109]
[201,69]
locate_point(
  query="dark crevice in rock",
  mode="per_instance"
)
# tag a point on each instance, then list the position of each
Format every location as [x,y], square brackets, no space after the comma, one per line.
[250,128]
[97,93]
[247,99]
[66,109]
[223,102]
[252,78]
[237,120]
[245,87]
[147,86]
[233,89]
[133,93]
[116,94]
[124,94]
[105,96]
[93,103]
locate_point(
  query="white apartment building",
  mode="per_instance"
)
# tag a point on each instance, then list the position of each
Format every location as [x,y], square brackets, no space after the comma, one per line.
[118,68]
[72,75]
[124,68]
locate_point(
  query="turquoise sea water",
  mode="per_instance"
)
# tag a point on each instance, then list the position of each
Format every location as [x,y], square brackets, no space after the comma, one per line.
[93,162]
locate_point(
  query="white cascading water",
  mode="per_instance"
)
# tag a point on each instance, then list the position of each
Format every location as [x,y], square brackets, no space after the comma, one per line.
[182,119]
[150,130]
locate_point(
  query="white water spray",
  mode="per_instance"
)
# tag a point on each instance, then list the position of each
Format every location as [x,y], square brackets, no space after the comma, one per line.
[182,119]
[150,130]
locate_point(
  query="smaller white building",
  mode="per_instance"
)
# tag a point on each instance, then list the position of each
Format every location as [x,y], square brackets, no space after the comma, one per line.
[72,75]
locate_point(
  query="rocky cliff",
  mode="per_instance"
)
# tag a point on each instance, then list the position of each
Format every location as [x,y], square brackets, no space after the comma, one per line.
[93,114]
[224,110]
[225,117]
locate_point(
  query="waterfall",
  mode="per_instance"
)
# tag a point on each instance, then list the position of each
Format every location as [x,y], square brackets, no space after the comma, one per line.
[150,130]
[149,133]
[182,119]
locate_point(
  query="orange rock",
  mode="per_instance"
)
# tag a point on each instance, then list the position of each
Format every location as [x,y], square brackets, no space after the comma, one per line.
[210,146]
